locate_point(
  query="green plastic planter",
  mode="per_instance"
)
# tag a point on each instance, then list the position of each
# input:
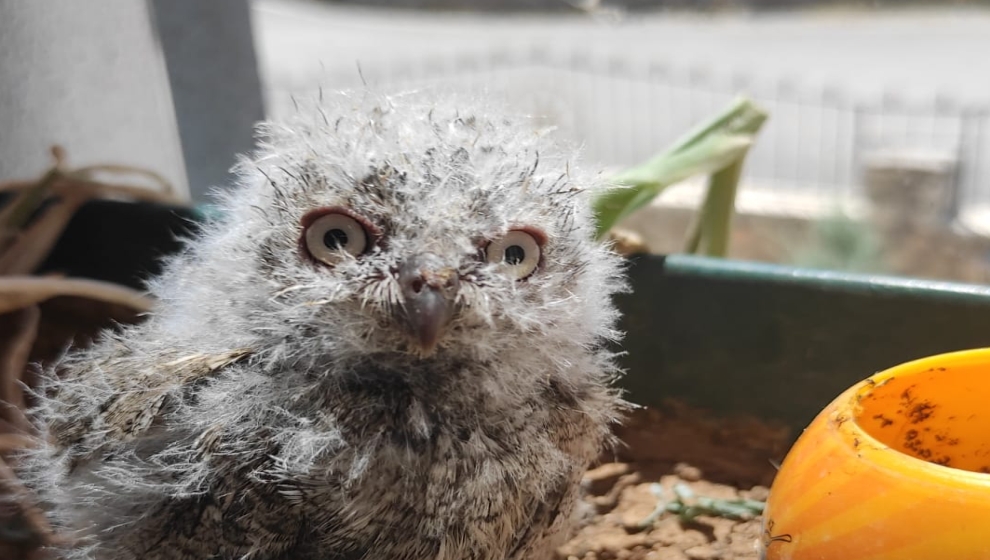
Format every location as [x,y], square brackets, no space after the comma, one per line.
[781,342]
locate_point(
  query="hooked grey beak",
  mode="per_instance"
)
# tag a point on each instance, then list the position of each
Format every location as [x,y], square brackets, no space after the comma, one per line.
[428,292]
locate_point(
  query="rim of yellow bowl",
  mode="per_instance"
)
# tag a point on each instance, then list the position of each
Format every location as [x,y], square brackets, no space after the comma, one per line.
[904,463]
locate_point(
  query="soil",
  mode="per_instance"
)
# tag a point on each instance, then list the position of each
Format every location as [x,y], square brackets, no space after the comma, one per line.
[722,458]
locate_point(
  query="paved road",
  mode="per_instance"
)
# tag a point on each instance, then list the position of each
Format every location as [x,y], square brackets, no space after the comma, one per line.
[917,53]
[913,55]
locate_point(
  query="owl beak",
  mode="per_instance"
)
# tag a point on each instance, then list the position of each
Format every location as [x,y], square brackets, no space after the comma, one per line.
[429,290]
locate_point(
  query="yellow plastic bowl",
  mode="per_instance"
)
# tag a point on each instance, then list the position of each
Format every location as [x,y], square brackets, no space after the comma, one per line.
[897,467]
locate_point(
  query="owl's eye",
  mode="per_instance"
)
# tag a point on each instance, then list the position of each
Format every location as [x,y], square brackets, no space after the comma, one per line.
[517,253]
[333,234]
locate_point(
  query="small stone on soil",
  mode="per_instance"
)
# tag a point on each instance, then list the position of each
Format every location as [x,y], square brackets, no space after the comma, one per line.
[598,481]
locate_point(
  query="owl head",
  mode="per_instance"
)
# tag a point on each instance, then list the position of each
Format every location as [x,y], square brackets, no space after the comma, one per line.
[408,229]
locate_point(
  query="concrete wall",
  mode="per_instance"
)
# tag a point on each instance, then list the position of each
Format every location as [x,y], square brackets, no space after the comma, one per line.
[921,251]
[89,76]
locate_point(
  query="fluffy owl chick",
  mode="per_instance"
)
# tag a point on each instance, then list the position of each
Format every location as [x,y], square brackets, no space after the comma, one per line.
[391,346]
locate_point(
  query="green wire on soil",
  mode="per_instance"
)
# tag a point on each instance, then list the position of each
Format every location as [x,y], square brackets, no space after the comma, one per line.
[688,506]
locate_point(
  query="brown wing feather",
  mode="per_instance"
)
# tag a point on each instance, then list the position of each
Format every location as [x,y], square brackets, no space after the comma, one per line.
[131,413]
[136,398]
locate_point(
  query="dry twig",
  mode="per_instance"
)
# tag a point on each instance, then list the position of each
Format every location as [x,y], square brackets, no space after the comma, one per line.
[31,223]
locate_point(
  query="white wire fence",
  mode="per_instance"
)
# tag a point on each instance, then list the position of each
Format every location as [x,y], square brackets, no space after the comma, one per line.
[622,112]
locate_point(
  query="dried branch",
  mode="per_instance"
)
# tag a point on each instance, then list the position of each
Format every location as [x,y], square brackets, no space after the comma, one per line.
[24,247]
[16,214]
[88,171]
[13,441]
[68,183]
[29,249]
[14,353]
[18,292]
[36,522]
[31,223]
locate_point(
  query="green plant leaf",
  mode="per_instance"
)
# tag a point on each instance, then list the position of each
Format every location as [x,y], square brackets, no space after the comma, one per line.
[709,234]
[646,182]
[708,149]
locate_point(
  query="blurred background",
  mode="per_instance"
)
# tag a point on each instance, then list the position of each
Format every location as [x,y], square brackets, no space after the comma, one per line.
[875,157]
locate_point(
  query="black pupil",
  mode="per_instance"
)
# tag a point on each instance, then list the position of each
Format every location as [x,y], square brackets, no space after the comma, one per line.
[515,254]
[335,238]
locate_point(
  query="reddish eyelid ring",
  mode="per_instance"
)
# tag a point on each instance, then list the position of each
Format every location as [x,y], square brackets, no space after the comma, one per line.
[535,232]
[374,232]
[541,239]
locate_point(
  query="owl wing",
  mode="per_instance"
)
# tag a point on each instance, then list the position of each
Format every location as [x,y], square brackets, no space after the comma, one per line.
[129,414]
[131,398]
[546,525]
